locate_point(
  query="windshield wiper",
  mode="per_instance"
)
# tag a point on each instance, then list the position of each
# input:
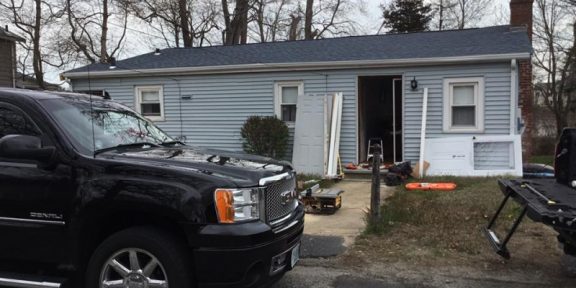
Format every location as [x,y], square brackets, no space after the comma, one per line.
[121,146]
[167,143]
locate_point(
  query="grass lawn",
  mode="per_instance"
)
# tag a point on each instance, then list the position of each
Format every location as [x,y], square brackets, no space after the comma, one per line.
[445,228]
[543,159]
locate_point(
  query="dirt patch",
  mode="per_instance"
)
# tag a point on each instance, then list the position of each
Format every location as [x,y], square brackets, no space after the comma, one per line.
[443,231]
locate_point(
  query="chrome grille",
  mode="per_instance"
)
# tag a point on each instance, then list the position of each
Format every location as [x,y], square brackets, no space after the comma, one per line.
[276,205]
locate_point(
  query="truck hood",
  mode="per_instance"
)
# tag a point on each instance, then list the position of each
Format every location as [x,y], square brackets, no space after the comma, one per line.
[242,169]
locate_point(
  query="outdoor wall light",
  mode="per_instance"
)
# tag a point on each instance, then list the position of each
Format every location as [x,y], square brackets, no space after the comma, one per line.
[414,83]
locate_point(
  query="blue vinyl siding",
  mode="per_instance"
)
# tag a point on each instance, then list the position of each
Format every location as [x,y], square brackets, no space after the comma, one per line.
[220,104]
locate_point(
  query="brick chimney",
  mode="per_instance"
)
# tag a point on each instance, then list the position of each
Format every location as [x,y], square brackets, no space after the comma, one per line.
[521,17]
[521,14]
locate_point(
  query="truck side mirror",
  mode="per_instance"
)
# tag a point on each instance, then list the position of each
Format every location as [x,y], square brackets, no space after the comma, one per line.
[25,147]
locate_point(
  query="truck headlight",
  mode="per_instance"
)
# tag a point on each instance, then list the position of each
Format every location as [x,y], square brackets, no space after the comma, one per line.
[237,205]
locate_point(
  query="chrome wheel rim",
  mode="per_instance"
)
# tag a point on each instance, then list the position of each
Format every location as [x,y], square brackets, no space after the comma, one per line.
[133,268]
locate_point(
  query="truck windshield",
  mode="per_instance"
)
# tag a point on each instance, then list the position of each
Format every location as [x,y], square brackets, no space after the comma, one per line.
[102,125]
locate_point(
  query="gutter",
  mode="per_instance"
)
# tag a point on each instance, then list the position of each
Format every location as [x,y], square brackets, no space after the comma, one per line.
[297,66]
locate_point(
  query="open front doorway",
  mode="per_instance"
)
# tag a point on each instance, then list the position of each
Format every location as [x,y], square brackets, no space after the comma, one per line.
[380,116]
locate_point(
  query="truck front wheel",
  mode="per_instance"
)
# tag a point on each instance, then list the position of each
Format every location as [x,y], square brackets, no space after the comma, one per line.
[140,257]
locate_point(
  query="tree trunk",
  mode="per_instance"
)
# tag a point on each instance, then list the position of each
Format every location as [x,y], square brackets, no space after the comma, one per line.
[308,20]
[243,23]
[260,19]
[561,123]
[227,33]
[236,28]
[441,16]
[37,56]
[462,23]
[183,13]
[294,25]
[104,36]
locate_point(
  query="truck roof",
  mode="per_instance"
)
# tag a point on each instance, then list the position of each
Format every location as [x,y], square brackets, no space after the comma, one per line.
[41,95]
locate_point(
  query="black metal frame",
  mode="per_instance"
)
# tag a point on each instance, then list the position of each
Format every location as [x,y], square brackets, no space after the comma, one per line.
[498,245]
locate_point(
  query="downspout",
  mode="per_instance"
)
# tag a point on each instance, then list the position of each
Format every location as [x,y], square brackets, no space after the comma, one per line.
[513,95]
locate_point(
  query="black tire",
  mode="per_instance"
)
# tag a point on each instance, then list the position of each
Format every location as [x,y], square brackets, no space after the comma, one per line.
[171,253]
[569,265]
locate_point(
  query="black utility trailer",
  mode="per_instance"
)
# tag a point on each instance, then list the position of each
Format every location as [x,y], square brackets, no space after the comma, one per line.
[549,201]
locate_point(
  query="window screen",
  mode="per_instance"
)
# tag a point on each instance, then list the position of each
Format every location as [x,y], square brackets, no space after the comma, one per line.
[463,105]
[289,98]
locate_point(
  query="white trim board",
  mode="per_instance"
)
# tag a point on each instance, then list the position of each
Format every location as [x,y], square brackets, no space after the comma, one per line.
[336,123]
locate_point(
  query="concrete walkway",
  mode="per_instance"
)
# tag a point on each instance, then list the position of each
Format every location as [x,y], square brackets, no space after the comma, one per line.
[330,235]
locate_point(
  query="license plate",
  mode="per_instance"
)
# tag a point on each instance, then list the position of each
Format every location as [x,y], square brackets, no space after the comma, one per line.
[295,256]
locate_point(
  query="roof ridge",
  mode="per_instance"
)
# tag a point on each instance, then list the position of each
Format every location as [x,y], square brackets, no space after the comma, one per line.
[338,38]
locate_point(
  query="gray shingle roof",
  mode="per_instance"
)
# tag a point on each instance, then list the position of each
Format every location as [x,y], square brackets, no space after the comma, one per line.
[454,43]
[5,34]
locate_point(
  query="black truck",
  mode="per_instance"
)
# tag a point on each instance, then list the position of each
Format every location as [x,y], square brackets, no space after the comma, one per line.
[94,195]
[549,201]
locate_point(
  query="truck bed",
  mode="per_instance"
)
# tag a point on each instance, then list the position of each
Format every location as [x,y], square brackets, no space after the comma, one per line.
[542,200]
[552,203]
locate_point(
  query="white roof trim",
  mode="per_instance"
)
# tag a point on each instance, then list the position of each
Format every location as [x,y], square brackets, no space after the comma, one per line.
[296,66]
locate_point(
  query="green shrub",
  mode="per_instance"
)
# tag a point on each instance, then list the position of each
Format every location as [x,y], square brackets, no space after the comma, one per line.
[266,136]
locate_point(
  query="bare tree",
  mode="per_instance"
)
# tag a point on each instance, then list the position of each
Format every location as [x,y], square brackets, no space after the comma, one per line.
[468,13]
[442,18]
[236,25]
[270,18]
[555,54]
[308,34]
[331,18]
[89,23]
[294,27]
[181,22]
[184,15]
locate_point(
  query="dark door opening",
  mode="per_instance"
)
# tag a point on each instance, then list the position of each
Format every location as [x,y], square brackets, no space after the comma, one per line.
[380,115]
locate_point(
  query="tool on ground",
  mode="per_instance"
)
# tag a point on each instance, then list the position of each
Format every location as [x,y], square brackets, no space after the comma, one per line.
[322,200]
[548,200]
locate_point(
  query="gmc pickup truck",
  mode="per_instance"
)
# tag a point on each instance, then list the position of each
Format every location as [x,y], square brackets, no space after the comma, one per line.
[94,195]
[549,201]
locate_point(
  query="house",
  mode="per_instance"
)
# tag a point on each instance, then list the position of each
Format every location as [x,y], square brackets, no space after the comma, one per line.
[29,82]
[8,57]
[478,83]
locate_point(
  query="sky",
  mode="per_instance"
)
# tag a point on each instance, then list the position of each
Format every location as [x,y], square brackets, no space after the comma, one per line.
[369,21]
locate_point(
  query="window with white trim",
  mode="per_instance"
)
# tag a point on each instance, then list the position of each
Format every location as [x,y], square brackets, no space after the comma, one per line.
[150,102]
[286,100]
[463,105]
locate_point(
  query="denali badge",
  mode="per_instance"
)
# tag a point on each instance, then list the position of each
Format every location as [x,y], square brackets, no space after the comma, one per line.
[287,197]
[51,216]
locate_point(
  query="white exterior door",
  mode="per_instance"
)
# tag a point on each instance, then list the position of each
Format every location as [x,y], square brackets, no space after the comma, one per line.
[310,133]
